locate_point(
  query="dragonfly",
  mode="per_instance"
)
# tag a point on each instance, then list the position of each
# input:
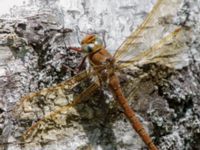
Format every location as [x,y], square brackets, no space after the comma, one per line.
[141,47]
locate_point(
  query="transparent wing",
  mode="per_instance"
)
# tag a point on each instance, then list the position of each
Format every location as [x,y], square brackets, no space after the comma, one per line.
[169,51]
[154,27]
[44,101]
[58,117]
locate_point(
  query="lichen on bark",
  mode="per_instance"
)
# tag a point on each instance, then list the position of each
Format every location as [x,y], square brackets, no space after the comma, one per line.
[34,56]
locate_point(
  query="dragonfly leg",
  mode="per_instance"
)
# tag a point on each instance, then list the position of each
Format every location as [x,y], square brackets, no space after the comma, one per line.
[81,66]
[78,49]
[65,67]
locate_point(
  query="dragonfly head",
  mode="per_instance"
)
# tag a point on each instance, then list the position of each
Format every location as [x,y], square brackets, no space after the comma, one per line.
[91,43]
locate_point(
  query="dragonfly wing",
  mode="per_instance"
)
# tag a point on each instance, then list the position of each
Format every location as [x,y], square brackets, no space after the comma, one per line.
[169,51]
[154,27]
[139,87]
[49,96]
[59,116]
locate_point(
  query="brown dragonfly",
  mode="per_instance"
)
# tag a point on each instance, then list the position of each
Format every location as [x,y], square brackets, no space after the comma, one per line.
[141,47]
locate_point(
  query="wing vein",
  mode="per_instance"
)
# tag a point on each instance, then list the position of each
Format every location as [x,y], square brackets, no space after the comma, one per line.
[135,34]
[51,116]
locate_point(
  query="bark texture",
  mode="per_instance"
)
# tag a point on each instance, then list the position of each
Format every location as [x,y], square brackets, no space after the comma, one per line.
[33,56]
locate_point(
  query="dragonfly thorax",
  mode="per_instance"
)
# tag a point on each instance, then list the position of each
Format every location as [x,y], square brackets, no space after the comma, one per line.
[91,43]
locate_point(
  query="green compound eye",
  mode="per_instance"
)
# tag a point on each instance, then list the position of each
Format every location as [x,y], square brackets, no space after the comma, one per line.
[98,41]
[88,48]
[94,45]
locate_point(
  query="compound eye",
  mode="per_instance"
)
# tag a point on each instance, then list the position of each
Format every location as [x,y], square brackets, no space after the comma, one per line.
[98,41]
[88,48]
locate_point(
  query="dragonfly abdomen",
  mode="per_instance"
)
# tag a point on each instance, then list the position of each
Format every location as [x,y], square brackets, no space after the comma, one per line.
[130,114]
